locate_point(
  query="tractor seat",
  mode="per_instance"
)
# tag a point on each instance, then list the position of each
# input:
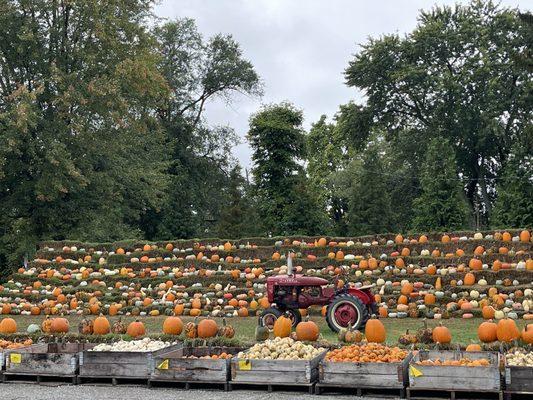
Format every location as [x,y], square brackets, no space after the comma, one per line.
[367,286]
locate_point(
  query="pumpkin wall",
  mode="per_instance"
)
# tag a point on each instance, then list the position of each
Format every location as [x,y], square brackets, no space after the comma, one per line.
[461,274]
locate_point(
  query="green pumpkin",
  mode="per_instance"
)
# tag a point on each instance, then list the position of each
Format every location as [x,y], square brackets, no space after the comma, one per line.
[261,332]
[33,328]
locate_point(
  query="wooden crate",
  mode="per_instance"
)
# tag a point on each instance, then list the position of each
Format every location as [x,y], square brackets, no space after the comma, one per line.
[518,379]
[275,372]
[455,378]
[45,359]
[119,364]
[173,366]
[364,375]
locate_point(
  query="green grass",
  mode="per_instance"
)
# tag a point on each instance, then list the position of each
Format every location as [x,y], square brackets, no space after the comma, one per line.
[464,331]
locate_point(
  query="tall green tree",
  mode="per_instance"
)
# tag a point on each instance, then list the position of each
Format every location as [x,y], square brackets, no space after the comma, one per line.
[81,148]
[441,204]
[514,205]
[452,77]
[327,153]
[366,187]
[278,142]
[239,216]
[197,70]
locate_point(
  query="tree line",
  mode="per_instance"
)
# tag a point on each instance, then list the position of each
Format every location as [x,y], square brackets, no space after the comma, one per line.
[104,135]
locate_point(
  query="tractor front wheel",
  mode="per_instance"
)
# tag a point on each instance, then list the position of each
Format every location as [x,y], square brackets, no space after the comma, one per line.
[270,315]
[345,310]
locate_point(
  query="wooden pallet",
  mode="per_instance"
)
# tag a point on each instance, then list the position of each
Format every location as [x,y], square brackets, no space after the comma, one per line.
[38,378]
[518,379]
[380,392]
[187,385]
[517,395]
[433,394]
[112,380]
[310,387]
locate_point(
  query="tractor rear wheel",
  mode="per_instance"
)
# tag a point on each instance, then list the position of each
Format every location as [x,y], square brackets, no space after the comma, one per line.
[270,315]
[345,309]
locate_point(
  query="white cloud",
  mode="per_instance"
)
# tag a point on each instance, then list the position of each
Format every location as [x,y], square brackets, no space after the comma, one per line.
[299,47]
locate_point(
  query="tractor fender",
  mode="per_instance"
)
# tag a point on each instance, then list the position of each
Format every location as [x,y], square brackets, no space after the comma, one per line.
[366,297]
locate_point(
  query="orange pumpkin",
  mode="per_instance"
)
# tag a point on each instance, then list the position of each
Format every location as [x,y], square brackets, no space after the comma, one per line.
[307,330]
[488,312]
[172,326]
[473,347]
[441,334]
[283,326]
[59,325]
[527,334]
[487,331]
[101,326]
[507,331]
[375,331]
[475,264]
[470,279]
[136,329]
[8,325]
[207,328]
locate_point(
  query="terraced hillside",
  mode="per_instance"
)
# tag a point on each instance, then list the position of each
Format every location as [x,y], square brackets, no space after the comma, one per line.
[460,274]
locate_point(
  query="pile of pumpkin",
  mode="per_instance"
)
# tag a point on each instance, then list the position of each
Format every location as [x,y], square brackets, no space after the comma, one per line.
[8,344]
[143,345]
[94,285]
[462,362]
[281,349]
[221,356]
[365,353]
[505,331]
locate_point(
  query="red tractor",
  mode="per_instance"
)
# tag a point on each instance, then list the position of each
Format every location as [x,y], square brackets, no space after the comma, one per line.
[291,292]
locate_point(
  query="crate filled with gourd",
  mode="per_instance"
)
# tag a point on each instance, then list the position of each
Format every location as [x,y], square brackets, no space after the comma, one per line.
[446,370]
[188,364]
[365,366]
[124,359]
[278,361]
[519,369]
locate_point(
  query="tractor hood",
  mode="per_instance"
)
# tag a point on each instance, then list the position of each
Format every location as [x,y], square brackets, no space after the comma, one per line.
[296,280]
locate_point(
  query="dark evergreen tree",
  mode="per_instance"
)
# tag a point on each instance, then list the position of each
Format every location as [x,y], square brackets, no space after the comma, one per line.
[277,139]
[369,204]
[238,217]
[441,204]
[514,204]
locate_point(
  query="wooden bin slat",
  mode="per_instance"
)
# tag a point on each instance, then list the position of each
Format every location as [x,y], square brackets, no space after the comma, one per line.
[118,364]
[456,377]
[52,359]
[284,372]
[518,379]
[181,369]
[365,375]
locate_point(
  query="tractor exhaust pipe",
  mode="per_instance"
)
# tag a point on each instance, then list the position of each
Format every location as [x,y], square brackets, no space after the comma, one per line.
[289,263]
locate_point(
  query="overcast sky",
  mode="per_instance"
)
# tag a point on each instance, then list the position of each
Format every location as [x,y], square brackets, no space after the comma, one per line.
[300,48]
